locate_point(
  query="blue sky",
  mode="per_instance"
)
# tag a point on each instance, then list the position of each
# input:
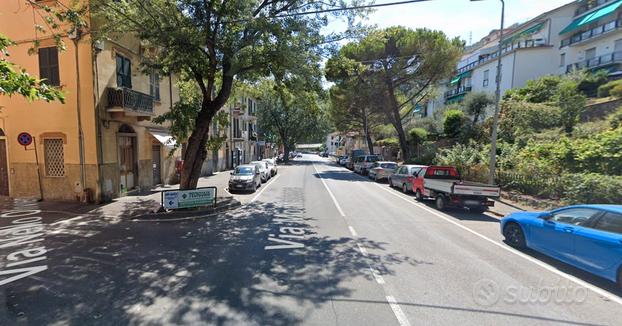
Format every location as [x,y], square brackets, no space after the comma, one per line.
[457,17]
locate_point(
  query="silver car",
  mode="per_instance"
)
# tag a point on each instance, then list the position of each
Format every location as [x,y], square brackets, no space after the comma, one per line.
[271,166]
[245,177]
[382,170]
[263,169]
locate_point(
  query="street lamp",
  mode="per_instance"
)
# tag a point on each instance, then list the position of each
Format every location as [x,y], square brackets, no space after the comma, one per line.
[495,124]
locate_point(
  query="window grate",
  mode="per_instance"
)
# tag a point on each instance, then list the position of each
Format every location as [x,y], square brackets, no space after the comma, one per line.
[54,157]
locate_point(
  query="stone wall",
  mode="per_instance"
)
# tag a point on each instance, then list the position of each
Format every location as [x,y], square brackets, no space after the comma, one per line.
[600,110]
[24,181]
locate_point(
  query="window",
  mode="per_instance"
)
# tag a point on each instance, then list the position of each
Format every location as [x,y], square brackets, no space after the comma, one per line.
[48,66]
[415,171]
[590,53]
[574,216]
[54,156]
[124,72]
[486,78]
[236,128]
[154,85]
[562,59]
[610,222]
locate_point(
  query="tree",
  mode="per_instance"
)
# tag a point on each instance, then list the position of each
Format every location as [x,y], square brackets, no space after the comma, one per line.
[476,103]
[215,43]
[418,136]
[453,123]
[14,81]
[292,114]
[571,102]
[402,64]
[352,110]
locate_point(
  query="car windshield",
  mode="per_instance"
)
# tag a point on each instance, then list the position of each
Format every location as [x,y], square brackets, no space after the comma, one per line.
[388,165]
[244,170]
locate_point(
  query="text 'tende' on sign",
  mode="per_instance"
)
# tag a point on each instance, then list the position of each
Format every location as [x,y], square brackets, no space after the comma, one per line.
[174,199]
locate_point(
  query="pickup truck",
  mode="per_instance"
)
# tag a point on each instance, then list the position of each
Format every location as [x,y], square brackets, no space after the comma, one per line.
[444,185]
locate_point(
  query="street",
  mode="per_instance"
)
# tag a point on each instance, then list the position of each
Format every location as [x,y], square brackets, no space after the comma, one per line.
[318,245]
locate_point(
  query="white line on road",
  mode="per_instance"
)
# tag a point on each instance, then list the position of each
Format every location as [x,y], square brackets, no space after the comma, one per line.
[67,220]
[265,187]
[550,268]
[362,250]
[352,231]
[399,314]
[329,192]
[377,276]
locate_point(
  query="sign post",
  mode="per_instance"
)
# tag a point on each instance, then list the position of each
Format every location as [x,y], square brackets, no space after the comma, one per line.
[25,139]
[176,199]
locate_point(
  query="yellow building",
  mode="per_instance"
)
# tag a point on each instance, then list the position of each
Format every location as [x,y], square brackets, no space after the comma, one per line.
[108,97]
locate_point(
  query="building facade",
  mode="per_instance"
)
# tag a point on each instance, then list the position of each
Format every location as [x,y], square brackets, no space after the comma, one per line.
[100,143]
[578,35]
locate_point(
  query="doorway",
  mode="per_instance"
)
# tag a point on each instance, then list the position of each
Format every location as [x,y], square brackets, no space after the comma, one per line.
[4,167]
[127,158]
[157,164]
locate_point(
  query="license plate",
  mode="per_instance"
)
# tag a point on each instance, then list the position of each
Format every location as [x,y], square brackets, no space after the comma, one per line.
[472,203]
[238,186]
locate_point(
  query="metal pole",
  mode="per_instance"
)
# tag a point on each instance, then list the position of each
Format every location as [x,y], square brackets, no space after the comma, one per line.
[495,124]
[38,170]
[79,118]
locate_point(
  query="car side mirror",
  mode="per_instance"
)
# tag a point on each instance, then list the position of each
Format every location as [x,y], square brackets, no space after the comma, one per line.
[231,173]
[545,216]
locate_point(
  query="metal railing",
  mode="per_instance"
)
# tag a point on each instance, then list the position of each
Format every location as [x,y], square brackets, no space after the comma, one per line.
[457,91]
[589,5]
[594,32]
[130,100]
[603,60]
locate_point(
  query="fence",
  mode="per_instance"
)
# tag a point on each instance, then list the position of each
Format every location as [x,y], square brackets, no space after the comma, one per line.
[530,184]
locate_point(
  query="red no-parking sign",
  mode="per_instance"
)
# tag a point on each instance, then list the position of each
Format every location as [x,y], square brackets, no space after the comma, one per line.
[24,139]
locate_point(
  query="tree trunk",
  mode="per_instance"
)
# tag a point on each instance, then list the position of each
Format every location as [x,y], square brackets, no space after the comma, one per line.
[397,124]
[196,150]
[370,144]
[286,151]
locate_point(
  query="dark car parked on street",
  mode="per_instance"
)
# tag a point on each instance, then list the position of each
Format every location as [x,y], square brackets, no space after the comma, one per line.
[245,177]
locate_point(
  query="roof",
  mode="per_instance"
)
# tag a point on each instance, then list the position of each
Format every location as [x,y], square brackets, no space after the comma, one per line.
[604,207]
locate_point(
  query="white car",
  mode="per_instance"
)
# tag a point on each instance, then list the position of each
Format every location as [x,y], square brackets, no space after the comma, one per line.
[271,165]
[263,169]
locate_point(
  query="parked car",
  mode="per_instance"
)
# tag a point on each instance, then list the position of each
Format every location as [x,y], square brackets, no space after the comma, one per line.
[404,176]
[342,160]
[350,162]
[263,169]
[271,166]
[588,237]
[382,170]
[444,185]
[365,162]
[245,177]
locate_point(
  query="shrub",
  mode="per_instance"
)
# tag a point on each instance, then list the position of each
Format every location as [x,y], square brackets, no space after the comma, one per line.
[418,135]
[389,142]
[571,104]
[539,90]
[588,83]
[603,90]
[615,120]
[453,123]
[470,160]
[521,119]
[591,188]
[616,91]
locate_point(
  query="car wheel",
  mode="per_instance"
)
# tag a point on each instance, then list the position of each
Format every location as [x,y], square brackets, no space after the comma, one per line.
[441,204]
[514,235]
[404,188]
[390,183]
[418,195]
[376,178]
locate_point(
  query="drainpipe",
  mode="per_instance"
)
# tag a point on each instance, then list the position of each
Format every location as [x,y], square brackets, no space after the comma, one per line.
[76,39]
[98,121]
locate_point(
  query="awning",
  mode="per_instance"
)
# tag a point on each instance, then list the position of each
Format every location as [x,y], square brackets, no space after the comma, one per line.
[163,137]
[591,17]
[527,32]
[460,76]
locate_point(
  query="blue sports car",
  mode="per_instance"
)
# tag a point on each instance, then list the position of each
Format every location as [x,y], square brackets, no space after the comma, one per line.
[585,236]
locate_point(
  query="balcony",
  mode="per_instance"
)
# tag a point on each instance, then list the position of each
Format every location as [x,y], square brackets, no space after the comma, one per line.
[129,102]
[592,33]
[596,62]
[589,5]
[457,92]
[466,68]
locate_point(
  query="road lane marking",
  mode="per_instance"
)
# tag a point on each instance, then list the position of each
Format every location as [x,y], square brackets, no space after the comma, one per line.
[362,250]
[593,288]
[265,187]
[329,192]
[399,314]
[352,231]
[68,220]
[377,276]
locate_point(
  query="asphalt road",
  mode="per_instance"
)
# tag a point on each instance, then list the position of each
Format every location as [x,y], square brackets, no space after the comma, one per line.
[318,245]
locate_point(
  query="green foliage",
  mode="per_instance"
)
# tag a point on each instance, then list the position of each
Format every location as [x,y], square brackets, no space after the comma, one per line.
[521,119]
[541,90]
[389,142]
[615,120]
[454,123]
[605,89]
[476,103]
[219,133]
[418,135]
[14,81]
[571,102]
[591,188]
[588,83]
[616,91]
[470,160]
[601,153]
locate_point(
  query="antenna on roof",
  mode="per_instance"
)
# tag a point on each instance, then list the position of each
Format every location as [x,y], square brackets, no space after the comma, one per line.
[470,38]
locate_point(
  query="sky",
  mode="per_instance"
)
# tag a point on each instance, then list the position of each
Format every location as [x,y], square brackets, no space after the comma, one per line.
[463,18]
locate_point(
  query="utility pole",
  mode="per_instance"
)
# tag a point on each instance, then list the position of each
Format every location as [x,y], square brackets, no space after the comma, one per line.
[495,124]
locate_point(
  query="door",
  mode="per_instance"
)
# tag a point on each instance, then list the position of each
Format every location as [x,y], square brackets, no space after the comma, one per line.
[127,162]
[4,167]
[397,178]
[555,235]
[157,164]
[599,248]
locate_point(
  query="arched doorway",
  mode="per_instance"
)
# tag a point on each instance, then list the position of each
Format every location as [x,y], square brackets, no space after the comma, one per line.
[4,166]
[127,158]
